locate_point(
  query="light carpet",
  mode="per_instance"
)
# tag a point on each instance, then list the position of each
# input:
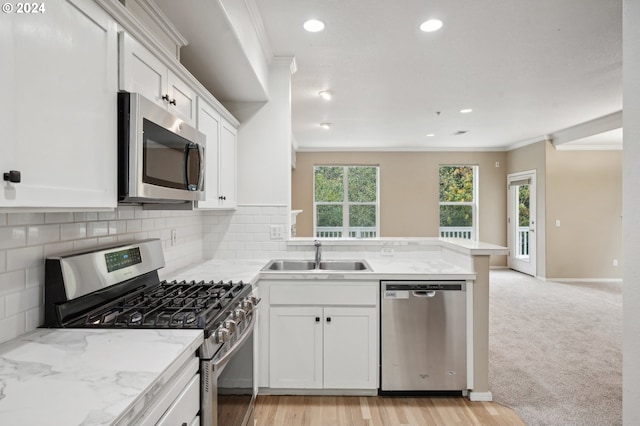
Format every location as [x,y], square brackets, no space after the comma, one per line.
[555,349]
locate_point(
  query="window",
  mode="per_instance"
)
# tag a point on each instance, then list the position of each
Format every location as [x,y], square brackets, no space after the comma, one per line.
[458,202]
[345,201]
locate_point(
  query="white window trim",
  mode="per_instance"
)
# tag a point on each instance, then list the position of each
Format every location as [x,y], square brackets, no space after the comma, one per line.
[474,204]
[345,203]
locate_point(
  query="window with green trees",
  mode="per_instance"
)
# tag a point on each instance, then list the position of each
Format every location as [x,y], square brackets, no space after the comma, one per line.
[345,201]
[458,198]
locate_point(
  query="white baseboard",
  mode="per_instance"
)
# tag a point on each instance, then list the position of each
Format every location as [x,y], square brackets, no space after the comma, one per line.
[498,267]
[585,280]
[480,396]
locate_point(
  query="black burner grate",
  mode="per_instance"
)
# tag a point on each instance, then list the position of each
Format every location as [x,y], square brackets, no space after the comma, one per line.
[167,305]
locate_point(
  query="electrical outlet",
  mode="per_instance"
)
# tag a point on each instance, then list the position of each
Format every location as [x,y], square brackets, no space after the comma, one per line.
[174,237]
[557,223]
[386,251]
[277,232]
[615,262]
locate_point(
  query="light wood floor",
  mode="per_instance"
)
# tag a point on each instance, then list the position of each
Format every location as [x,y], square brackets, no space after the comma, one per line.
[379,411]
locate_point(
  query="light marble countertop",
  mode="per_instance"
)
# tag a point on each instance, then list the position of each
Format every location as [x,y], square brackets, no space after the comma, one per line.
[88,377]
[249,271]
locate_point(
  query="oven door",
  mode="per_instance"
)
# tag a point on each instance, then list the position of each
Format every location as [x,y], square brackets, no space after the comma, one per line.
[227,392]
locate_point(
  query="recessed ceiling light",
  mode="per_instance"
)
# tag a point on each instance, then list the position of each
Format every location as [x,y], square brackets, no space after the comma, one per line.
[431,25]
[326,94]
[326,126]
[466,110]
[430,135]
[313,25]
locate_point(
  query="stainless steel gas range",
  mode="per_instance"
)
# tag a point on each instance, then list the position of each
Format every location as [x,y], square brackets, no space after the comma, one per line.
[119,287]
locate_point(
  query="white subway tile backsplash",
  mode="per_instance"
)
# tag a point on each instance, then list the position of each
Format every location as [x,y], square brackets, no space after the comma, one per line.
[107,215]
[87,244]
[134,225]
[25,218]
[58,217]
[3,261]
[42,234]
[97,229]
[34,318]
[11,282]
[22,301]
[73,231]
[58,249]
[12,237]
[23,258]
[2,313]
[107,241]
[125,213]
[3,219]
[117,227]
[12,327]
[35,276]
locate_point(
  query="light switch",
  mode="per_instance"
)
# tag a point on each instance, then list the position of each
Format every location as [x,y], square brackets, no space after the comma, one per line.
[557,223]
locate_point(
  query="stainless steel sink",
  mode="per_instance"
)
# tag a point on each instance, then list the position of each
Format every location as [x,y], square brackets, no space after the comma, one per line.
[290,265]
[310,265]
[344,265]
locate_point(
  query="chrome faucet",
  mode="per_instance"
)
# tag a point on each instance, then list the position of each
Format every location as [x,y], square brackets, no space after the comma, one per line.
[318,244]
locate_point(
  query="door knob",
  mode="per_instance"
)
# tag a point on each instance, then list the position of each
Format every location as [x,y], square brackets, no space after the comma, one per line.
[13,176]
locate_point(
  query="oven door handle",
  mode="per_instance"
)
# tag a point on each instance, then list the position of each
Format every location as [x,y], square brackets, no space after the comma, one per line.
[238,344]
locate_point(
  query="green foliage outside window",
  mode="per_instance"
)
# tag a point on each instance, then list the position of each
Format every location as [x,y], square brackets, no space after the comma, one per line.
[523,205]
[456,186]
[362,191]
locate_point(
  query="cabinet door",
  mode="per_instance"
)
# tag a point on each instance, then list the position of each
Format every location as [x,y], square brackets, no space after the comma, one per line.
[182,99]
[141,72]
[350,348]
[58,112]
[295,347]
[209,124]
[227,165]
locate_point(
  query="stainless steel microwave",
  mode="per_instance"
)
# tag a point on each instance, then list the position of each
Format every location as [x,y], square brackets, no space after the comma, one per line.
[160,157]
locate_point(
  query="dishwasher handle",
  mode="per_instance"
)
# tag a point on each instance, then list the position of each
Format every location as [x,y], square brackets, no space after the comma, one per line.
[424,293]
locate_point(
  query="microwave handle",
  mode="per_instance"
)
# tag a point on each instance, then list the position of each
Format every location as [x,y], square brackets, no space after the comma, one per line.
[191,147]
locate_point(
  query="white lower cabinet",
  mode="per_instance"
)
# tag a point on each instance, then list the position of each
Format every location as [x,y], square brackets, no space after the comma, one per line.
[328,346]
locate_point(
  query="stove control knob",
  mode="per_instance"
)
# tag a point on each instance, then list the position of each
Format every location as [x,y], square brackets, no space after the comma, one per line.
[239,314]
[222,335]
[230,325]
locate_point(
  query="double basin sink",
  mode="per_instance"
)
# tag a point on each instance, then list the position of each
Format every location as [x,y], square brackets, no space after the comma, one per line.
[310,265]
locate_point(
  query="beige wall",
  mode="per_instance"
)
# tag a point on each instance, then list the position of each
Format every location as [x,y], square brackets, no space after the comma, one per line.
[409,191]
[584,192]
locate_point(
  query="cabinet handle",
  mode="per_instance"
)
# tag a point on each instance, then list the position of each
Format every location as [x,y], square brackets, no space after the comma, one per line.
[328,319]
[165,98]
[317,319]
[13,176]
[222,197]
[172,102]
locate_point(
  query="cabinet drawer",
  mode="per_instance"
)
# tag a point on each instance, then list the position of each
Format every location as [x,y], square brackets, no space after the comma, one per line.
[185,408]
[365,294]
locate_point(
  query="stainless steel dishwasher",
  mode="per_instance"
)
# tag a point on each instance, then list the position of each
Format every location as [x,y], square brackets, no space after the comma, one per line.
[423,339]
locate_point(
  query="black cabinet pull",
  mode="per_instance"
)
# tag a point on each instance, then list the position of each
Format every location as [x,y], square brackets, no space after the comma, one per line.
[328,319]
[317,319]
[13,176]
[172,101]
[222,197]
[165,98]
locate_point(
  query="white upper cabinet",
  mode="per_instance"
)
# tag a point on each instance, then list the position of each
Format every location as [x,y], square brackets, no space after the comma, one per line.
[58,114]
[220,153]
[142,72]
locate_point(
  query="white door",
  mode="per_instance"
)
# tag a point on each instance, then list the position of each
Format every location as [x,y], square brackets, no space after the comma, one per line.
[521,221]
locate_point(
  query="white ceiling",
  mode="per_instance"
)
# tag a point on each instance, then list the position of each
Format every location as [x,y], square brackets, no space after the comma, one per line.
[527,68]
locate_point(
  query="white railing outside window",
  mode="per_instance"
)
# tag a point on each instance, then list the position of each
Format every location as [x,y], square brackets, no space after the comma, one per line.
[354,232]
[523,242]
[457,232]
